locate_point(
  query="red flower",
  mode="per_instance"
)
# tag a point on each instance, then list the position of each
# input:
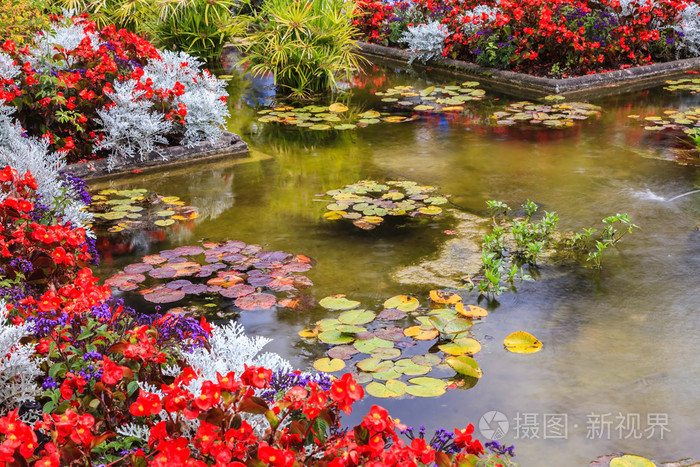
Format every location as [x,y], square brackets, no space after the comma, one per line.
[146,404]
[377,420]
[111,372]
[345,391]
[257,377]
[209,397]
[275,457]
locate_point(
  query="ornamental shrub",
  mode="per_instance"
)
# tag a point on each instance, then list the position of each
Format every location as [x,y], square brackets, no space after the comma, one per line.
[93,92]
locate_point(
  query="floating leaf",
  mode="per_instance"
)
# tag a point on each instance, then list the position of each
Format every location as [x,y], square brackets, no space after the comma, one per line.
[329,365]
[367,346]
[256,301]
[392,314]
[343,352]
[164,295]
[308,333]
[402,303]
[457,326]
[338,108]
[420,334]
[335,337]
[463,346]
[356,317]
[338,302]
[471,311]
[426,360]
[385,352]
[522,342]
[465,366]
[631,461]
[392,388]
[446,298]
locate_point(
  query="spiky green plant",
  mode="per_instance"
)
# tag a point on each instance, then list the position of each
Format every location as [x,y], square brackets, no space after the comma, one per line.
[308,46]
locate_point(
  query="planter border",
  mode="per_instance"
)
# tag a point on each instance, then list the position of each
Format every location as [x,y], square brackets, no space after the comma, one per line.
[520,84]
[229,145]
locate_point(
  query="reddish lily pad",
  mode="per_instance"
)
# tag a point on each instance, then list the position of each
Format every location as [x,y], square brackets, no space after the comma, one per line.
[154,259]
[178,284]
[238,290]
[164,272]
[343,352]
[392,314]
[138,268]
[256,301]
[298,302]
[164,295]
[195,289]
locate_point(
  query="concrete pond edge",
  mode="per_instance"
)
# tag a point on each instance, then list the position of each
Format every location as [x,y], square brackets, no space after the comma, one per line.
[523,85]
[230,145]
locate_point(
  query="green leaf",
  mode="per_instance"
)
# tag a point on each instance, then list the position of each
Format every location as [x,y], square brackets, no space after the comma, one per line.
[356,317]
[402,302]
[328,365]
[338,302]
[132,388]
[631,461]
[58,370]
[392,388]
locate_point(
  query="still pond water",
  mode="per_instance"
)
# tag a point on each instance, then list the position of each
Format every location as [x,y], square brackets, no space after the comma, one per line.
[622,342]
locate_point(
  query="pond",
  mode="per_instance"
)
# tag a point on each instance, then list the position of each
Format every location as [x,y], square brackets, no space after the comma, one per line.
[620,344]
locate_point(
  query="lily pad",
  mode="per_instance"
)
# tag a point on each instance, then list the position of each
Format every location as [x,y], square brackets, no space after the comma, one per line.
[367,346]
[465,366]
[463,346]
[522,342]
[631,461]
[470,311]
[329,365]
[164,295]
[402,303]
[338,302]
[343,352]
[335,337]
[392,314]
[444,298]
[391,388]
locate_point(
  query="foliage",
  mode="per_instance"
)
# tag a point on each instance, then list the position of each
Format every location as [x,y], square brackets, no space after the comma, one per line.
[91,92]
[307,46]
[425,40]
[197,27]
[20,19]
[54,189]
[367,202]
[18,370]
[554,115]
[515,246]
[546,37]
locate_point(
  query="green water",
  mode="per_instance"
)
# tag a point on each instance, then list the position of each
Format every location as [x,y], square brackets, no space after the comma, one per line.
[621,342]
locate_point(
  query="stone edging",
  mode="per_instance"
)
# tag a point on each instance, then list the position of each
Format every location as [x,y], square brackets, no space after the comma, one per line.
[229,145]
[527,85]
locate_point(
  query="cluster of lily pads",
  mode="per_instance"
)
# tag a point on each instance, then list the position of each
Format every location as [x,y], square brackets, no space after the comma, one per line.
[673,119]
[233,270]
[555,115]
[120,210]
[335,116]
[376,344]
[685,84]
[433,98]
[367,202]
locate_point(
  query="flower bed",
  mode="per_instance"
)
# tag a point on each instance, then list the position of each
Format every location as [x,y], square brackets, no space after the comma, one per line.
[119,387]
[552,38]
[93,93]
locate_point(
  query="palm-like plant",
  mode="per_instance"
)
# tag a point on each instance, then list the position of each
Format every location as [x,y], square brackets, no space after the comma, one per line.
[307,45]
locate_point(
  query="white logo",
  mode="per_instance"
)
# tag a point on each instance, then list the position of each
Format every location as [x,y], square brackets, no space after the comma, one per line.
[493,425]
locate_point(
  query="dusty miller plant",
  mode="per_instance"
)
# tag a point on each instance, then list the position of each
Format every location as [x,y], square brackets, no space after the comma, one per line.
[26,154]
[425,40]
[688,29]
[206,111]
[131,128]
[18,369]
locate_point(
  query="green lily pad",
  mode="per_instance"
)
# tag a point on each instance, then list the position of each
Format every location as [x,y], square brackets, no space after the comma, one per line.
[367,346]
[386,352]
[426,360]
[463,346]
[338,302]
[631,461]
[457,326]
[335,337]
[356,317]
[424,386]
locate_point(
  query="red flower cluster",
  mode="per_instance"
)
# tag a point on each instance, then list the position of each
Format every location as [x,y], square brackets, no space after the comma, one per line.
[545,37]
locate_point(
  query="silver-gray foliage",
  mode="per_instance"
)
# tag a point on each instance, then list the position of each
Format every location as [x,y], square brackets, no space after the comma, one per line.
[689,29]
[26,154]
[425,40]
[131,127]
[19,367]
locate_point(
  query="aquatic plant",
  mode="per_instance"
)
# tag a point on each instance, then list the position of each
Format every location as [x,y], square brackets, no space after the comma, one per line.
[377,342]
[560,115]
[433,99]
[241,272]
[367,202]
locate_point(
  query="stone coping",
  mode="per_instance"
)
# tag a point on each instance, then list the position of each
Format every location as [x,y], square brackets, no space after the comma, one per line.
[523,85]
[229,145]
